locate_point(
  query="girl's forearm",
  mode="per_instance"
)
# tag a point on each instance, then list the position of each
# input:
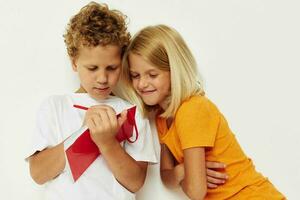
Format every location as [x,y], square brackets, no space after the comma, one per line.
[173,177]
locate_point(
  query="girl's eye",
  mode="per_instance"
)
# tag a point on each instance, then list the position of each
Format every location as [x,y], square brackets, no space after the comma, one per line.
[153,75]
[134,76]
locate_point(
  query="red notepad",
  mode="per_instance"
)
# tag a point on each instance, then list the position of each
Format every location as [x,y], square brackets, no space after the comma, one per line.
[83,151]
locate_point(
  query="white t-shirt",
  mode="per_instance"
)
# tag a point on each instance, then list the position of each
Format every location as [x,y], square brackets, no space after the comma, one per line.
[57,119]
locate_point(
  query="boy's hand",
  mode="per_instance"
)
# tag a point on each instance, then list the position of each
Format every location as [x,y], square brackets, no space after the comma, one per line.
[215,178]
[103,124]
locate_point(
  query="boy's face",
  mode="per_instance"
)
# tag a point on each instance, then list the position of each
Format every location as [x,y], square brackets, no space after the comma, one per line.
[98,69]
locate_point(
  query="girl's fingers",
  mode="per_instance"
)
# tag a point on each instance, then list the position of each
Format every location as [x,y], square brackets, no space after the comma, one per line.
[216,174]
[215,165]
[211,186]
[215,180]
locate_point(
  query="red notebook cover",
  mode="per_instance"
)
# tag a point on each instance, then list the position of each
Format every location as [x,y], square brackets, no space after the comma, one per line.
[83,152]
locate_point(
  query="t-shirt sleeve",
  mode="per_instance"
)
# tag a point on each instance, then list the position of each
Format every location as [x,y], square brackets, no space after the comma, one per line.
[197,123]
[42,136]
[143,148]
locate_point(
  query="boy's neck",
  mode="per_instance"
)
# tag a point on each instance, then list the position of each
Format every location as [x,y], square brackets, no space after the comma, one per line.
[80,90]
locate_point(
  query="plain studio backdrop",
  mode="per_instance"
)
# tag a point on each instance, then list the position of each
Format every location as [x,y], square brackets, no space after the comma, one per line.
[247,51]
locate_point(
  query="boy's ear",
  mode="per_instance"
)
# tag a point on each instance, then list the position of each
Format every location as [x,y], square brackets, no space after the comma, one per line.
[74,66]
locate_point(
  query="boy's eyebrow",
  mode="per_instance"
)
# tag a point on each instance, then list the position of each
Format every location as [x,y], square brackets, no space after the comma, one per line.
[90,65]
[110,65]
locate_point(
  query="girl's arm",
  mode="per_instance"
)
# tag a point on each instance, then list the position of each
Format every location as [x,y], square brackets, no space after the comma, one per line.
[47,164]
[194,182]
[171,175]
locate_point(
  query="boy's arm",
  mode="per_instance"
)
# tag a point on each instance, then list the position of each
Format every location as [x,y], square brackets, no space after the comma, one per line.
[129,173]
[47,164]
[103,125]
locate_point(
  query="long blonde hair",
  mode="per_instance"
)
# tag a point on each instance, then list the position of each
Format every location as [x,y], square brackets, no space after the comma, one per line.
[163,47]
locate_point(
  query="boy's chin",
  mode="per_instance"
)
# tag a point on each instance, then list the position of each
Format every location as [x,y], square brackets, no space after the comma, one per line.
[100,96]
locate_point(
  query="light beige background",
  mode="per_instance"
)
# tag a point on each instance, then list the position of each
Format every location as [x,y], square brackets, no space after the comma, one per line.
[247,51]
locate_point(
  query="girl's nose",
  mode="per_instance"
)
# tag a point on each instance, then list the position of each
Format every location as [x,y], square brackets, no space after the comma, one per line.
[143,83]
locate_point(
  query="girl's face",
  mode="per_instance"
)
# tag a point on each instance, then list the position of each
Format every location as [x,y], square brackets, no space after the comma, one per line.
[98,69]
[152,84]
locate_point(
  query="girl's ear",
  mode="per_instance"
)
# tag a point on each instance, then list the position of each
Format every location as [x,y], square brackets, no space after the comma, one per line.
[74,66]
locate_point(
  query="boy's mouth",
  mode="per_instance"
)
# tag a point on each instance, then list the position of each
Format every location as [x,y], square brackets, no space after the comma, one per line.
[101,89]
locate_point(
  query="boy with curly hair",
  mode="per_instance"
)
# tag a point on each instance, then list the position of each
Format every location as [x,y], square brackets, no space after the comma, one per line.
[96,38]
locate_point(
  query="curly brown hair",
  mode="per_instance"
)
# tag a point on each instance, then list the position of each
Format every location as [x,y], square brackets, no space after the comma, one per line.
[94,25]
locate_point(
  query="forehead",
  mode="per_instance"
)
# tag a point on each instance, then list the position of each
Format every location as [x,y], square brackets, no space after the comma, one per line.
[103,54]
[138,63]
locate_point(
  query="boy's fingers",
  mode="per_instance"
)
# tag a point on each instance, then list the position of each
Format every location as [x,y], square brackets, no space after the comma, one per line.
[112,118]
[215,174]
[215,165]
[122,117]
[97,119]
[105,120]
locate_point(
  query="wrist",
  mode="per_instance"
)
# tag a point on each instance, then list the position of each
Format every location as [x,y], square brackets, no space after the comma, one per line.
[107,145]
[179,173]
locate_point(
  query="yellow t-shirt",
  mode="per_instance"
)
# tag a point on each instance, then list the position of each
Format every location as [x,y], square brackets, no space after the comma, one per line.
[198,123]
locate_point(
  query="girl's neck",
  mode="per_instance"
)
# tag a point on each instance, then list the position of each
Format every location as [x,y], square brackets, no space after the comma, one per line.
[165,103]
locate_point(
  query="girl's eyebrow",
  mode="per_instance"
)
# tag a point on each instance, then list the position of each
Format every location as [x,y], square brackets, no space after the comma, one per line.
[148,71]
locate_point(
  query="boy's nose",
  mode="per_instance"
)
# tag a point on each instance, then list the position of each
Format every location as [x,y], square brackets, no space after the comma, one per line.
[102,78]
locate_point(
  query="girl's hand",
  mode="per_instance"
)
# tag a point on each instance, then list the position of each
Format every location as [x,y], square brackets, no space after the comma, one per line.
[179,172]
[215,178]
[103,124]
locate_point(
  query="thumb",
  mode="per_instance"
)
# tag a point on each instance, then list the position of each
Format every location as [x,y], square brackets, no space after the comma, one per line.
[122,117]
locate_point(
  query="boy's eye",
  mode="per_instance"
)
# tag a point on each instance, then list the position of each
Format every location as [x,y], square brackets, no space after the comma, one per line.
[92,68]
[110,68]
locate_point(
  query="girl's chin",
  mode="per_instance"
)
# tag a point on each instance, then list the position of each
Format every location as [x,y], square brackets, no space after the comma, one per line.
[149,102]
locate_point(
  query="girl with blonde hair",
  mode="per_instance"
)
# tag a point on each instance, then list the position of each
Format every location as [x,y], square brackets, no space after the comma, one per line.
[161,69]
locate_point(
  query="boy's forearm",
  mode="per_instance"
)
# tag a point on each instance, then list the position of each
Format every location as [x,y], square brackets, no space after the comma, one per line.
[130,173]
[47,164]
